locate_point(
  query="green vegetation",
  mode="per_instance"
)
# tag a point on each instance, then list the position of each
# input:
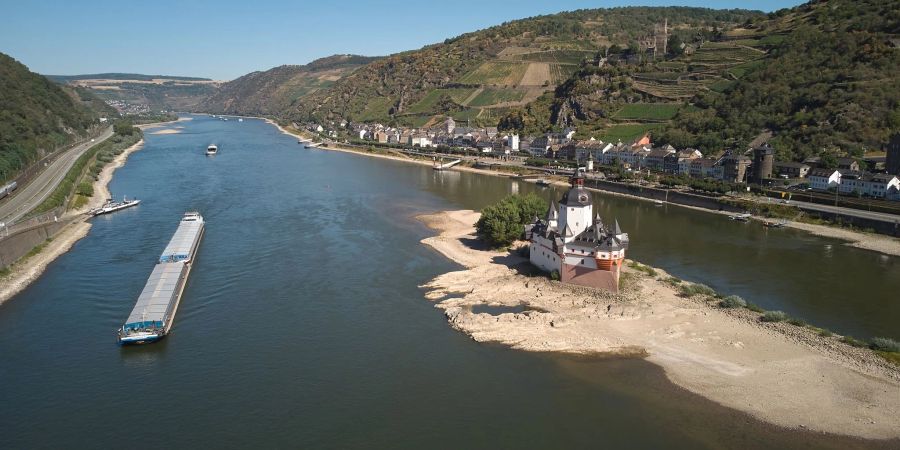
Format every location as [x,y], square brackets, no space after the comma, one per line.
[493,96]
[437,100]
[37,116]
[774,316]
[692,289]
[504,222]
[642,268]
[496,73]
[755,308]
[733,301]
[91,162]
[797,322]
[624,132]
[850,340]
[885,345]
[648,111]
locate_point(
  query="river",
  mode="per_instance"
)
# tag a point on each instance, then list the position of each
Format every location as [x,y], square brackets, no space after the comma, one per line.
[302,324]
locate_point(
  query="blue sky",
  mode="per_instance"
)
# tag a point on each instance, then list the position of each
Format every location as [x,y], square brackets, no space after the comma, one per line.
[225,39]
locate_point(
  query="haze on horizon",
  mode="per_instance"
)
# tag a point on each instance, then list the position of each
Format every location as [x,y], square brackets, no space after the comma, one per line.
[226,39]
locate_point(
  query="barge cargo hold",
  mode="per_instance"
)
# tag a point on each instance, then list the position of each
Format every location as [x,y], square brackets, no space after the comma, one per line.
[153,314]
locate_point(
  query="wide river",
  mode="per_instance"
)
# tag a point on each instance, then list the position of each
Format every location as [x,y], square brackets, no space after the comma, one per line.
[303,325]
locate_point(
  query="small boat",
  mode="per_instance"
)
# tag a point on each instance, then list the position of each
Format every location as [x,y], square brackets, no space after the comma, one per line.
[212,150]
[775,223]
[313,144]
[240,120]
[658,202]
[112,206]
[740,217]
[542,182]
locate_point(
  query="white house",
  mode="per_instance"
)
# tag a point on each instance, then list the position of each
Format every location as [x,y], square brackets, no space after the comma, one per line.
[824,179]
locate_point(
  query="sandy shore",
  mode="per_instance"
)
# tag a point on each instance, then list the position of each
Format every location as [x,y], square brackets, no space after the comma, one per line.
[780,373]
[869,241]
[25,272]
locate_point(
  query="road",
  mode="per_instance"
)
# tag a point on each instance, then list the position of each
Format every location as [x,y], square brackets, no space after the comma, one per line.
[29,196]
[885,217]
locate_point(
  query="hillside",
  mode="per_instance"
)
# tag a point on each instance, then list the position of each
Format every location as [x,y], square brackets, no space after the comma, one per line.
[828,85]
[136,93]
[482,76]
[821,78]
[37,116]
[275,90]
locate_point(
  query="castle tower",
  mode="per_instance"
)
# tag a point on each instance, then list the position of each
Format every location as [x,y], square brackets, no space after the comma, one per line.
[575,208]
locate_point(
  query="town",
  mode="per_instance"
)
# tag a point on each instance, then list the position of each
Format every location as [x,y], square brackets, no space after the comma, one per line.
[870,177]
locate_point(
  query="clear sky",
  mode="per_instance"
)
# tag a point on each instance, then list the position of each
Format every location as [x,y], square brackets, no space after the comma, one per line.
[225,39]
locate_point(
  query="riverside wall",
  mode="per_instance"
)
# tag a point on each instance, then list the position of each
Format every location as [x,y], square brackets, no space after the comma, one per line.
[20,242]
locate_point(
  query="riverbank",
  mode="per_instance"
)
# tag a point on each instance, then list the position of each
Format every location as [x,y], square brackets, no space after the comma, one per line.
[26,271]
[780,373]
[868,241]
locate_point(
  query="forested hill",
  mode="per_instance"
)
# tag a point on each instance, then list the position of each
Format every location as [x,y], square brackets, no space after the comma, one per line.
[817,79]
[481,76]
[274,91]
[38,115]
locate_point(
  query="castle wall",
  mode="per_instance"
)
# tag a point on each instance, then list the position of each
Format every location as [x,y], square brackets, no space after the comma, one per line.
[542,256]
[584,276]
[577,219]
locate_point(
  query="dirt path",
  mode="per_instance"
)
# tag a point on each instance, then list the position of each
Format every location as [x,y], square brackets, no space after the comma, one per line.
[472,96]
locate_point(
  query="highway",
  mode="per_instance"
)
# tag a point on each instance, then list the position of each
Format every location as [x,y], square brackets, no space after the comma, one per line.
[41,186]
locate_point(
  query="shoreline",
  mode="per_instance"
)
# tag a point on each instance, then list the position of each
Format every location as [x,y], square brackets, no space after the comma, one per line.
[866,241]
[777,372]
[23,273]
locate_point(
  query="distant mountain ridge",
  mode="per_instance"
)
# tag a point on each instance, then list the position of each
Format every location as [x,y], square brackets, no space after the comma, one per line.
[120,76]
[276,90]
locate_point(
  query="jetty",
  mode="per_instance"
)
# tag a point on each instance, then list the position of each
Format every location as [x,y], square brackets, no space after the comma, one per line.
[448,165]
[153,314]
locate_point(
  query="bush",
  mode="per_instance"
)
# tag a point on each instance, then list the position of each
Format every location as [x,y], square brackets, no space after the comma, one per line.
[554,275]
[85,188]
[774,316]
[825,332]
[692,289]
[642,268]
[504,222]
[853,341]
[733,301]
[885,345]
[755,308]
[797,322]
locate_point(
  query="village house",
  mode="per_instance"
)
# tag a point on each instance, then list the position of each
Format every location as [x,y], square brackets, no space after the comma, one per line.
[824,179]
[848,164]
[734,168]
[881,185]
[702,168]
[656,159]
[792,169]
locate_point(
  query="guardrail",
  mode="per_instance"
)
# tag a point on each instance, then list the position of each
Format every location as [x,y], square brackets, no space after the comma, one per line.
[7,230]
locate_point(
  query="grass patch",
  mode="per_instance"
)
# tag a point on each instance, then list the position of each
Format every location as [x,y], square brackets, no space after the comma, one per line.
[648,111]
[885,345]
[890,356]
[692,289]
[496,72]
[493,96]
[428,103]
[774,316]
[733,301]
[625,132]
[797,322]
[673,281]
[850,340]
[642,268]
[755,308]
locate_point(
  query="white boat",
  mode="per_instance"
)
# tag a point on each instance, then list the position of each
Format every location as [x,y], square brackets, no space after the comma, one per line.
[112,206]
[740,217]
[313,144]
[212,150]
[658,202]
[240,120]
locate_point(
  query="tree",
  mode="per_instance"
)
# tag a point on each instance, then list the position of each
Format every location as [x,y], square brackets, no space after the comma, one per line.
[504,222]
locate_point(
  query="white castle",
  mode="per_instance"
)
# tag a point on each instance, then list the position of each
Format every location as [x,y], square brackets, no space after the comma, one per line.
[577,244]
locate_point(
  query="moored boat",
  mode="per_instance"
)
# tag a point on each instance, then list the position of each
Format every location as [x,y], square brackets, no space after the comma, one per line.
[212,150]
[745,217]
[112,206]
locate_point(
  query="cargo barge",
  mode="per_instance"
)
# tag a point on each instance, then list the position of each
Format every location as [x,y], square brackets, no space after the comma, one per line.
[153,314]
